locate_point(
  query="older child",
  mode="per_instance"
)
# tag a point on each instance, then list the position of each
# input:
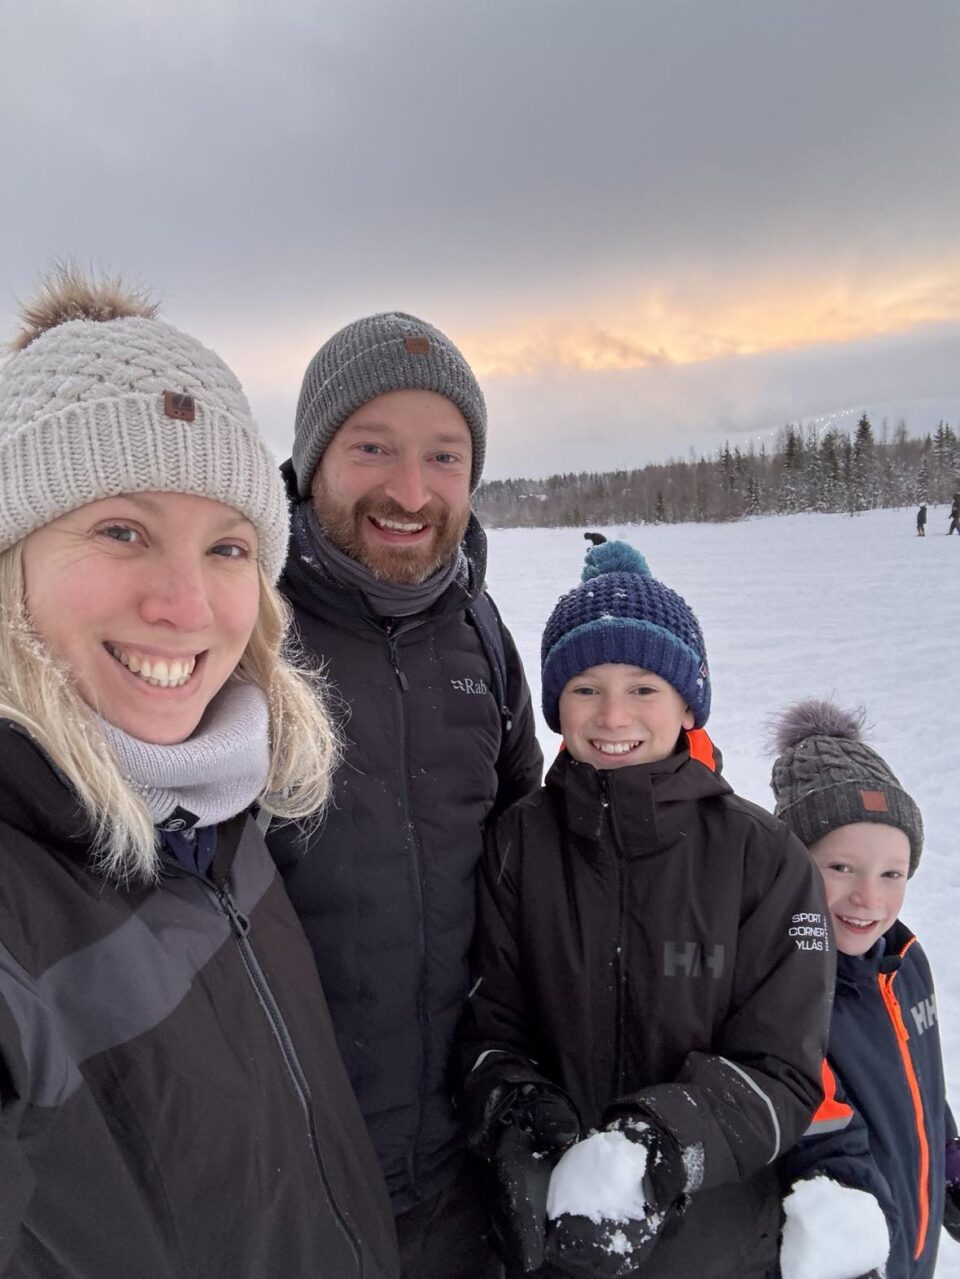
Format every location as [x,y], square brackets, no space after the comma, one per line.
[865,835]
[637,966]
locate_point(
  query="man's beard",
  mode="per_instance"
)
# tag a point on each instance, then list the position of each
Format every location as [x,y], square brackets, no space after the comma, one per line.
[403,565]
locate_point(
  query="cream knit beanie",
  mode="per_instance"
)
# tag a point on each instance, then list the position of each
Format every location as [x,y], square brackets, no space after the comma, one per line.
[100,398]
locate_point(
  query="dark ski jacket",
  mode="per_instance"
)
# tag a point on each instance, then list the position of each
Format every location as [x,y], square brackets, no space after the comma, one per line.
[885,1053]
[385,888]
[172,1102]
[655,945]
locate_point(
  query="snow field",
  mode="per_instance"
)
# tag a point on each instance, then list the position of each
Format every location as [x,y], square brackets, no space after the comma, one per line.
[856,608]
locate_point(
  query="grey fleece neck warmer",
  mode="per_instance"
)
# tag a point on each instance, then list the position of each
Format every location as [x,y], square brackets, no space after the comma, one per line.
[216,773]
[386,599]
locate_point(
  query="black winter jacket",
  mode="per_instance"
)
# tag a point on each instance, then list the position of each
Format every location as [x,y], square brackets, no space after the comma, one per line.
[172,1103]
[385,888]
[885,1052]
[657,945]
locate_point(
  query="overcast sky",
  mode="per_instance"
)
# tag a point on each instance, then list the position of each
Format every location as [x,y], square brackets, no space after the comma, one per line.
[650,224]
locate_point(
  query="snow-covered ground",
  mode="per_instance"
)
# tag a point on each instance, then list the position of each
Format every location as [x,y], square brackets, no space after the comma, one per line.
[856,608]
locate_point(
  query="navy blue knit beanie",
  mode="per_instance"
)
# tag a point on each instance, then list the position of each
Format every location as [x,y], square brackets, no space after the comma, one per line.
[619,613]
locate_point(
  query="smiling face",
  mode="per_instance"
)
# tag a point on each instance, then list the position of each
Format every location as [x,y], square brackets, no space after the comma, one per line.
[150,600]
[393,487]
[612,716]
[864,868]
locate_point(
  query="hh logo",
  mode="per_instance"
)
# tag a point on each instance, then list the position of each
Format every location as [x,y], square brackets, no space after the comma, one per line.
[688,958]
[924,1014]
[469,685]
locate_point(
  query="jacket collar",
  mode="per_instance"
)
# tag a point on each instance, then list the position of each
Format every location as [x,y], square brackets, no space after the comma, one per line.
[859,972]
[643,808]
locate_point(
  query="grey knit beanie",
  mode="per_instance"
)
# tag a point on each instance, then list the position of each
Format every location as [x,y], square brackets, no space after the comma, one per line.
[826,776]
[100,398]
[373,356]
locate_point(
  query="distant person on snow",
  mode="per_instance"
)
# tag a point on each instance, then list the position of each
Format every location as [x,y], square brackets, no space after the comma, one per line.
[652,960]
[954,515]
[922,522]
[893,1177]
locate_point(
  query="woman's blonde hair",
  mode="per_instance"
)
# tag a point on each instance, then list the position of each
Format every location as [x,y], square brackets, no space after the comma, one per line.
[37,691]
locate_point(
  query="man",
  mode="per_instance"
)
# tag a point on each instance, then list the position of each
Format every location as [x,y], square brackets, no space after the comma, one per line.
[386,576]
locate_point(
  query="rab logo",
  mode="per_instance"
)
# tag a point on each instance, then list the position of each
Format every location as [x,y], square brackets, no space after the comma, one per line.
[180,407]
[469,685]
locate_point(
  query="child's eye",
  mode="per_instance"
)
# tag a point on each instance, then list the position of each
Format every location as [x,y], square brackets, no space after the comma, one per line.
[893,874]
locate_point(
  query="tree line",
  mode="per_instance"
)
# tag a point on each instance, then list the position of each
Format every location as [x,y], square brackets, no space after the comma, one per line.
[808,468]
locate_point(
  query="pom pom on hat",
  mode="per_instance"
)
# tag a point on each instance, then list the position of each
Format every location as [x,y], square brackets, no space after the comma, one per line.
[613,557]
[826,776]
[620,613]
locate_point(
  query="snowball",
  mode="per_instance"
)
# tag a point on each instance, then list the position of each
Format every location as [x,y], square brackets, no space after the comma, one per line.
[601,1178]
[831,1232]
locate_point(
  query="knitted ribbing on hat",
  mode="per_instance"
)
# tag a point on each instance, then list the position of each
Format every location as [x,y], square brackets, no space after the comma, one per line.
[391,351]
[85,414]
[826,776]
[620,613]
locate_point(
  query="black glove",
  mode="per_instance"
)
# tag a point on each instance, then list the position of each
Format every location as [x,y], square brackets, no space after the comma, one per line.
[611,1249]
[538,1124]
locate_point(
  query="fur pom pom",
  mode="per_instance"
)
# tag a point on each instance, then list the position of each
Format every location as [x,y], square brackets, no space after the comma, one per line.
[614,557]
[65,293]
[816,718]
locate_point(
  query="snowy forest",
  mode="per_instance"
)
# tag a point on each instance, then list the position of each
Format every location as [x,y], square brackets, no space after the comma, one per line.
[808,469]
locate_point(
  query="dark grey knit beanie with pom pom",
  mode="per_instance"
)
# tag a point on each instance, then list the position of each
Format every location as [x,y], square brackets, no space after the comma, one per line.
[826,776]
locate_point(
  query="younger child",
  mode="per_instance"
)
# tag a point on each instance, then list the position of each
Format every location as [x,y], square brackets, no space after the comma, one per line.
[865,835]
[637,966]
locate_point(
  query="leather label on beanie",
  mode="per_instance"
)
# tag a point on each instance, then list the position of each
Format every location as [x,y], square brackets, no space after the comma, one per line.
[874,801]
[417,346]
[178,406]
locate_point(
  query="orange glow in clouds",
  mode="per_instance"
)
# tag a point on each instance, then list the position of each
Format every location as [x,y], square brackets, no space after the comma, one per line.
[659,329]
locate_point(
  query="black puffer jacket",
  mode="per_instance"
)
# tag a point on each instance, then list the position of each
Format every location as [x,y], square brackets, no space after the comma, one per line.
[385,889]
[654,943]
[172,1104]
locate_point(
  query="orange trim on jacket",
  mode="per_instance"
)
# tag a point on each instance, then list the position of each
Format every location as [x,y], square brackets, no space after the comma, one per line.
[831,1115]
[893,1009]
[701,747]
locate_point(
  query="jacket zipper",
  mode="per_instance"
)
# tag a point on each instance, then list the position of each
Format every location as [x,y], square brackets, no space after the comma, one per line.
[892,1006]
[413,844]
[240,925]
[621,953]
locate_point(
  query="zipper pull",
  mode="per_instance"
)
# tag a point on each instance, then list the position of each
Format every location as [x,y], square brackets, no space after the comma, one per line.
[240,922]
[395,663]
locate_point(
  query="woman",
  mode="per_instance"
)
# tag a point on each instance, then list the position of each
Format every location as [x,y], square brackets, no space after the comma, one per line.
[171,1098]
